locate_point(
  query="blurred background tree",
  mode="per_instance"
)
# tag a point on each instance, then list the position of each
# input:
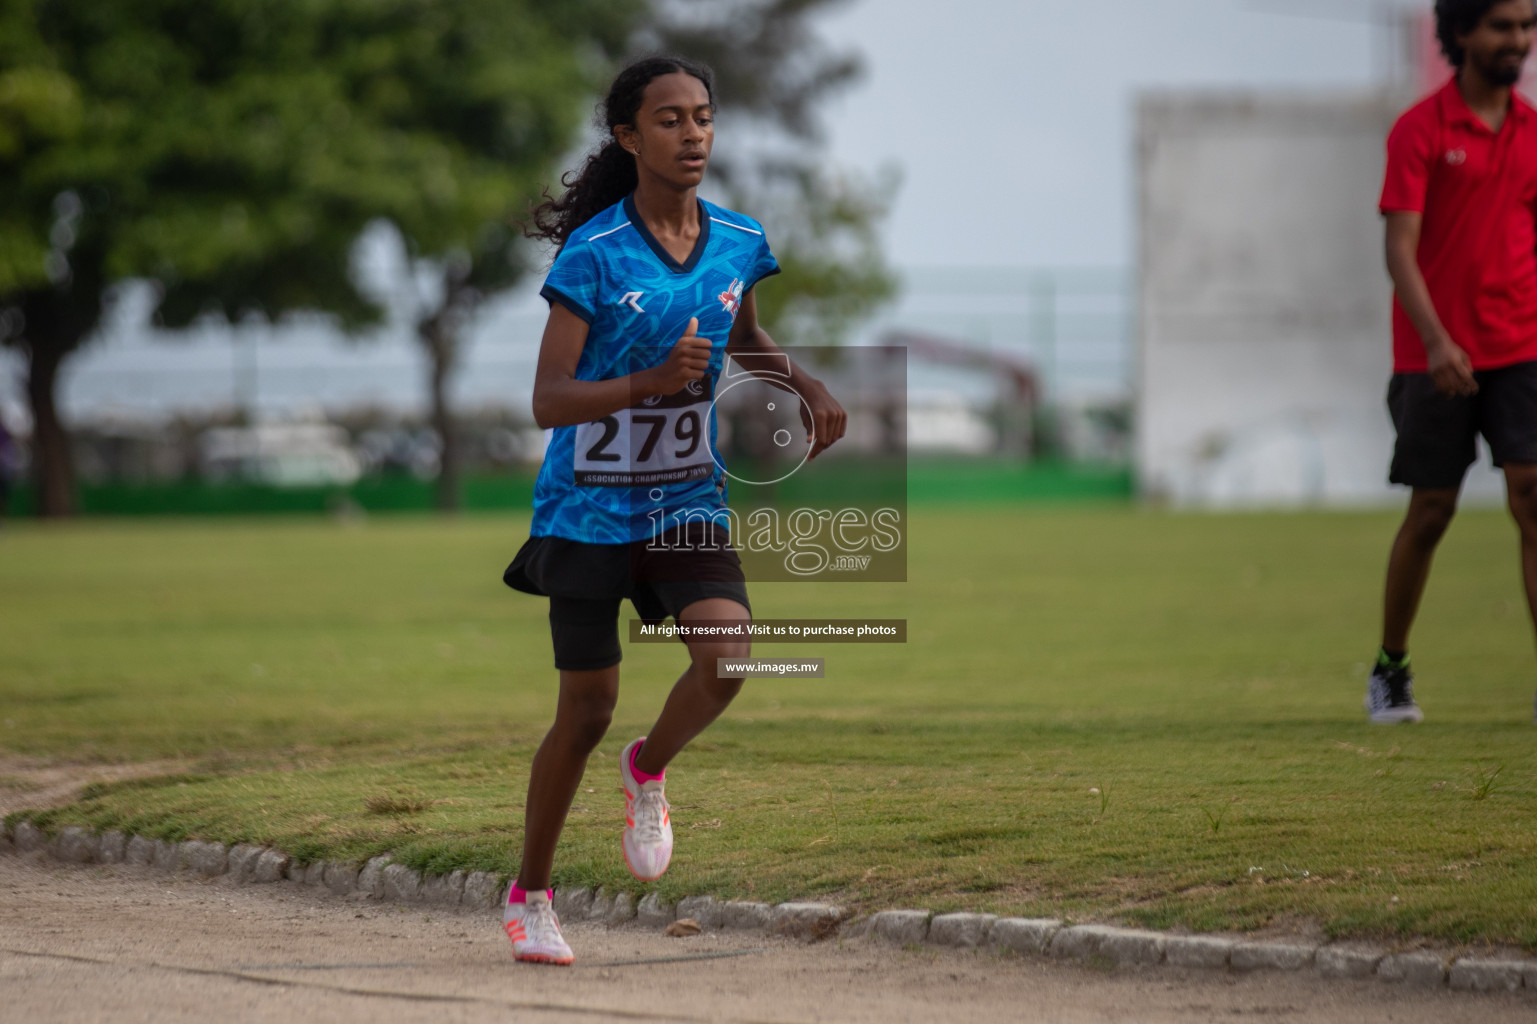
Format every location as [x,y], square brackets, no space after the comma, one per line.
[231,152]
[491,94]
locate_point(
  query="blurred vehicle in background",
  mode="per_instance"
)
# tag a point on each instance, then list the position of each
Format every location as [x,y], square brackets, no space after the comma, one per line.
[297,454]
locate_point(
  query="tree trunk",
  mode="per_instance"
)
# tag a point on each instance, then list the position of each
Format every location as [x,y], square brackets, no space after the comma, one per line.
[441,350]
[53,470]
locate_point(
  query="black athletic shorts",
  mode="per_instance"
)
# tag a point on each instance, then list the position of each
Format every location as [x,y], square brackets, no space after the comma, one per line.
[586,583]
[1437,433]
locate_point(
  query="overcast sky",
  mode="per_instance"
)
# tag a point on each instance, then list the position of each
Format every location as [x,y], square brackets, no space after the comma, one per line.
[1012,120]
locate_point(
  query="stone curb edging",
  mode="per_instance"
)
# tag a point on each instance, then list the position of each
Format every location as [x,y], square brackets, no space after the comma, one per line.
[381,879]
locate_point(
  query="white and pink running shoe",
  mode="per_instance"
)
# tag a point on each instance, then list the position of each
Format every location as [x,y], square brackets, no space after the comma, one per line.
[647,823]
[535,931]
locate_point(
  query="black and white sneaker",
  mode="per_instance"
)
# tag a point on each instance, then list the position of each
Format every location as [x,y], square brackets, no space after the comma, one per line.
[1390,696]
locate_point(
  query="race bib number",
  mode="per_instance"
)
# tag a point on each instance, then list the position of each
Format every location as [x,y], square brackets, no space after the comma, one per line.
[663,440]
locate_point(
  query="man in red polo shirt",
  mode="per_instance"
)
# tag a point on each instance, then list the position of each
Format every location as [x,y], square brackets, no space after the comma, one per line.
[1460,200]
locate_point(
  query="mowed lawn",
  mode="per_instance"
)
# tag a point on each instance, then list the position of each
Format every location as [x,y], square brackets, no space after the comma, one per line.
[1101,713]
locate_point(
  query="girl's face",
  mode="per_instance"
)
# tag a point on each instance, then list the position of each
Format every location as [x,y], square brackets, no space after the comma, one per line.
[673,132]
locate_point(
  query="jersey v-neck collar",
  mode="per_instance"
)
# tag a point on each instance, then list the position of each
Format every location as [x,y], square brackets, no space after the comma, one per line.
[661,250]
[1458,111]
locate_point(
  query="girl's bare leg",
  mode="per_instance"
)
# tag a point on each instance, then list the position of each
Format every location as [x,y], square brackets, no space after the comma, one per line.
[699,696]
[581,719]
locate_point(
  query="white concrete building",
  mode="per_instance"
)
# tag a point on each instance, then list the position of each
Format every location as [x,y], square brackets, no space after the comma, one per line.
[1264,336]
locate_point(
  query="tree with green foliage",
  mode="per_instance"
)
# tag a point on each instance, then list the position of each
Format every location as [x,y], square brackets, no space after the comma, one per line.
[499,88]
[232,151]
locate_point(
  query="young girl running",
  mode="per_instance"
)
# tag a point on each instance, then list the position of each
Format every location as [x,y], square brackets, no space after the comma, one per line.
[650,290]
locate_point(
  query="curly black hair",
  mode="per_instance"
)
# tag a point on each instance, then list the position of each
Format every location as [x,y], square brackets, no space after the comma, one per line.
[1457,18]
[609,174]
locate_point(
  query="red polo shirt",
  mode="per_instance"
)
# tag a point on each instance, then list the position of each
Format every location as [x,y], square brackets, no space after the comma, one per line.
[1477,192]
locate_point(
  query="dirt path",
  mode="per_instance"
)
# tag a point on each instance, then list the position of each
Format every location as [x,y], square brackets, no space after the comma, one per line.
[27,783]
[125,944]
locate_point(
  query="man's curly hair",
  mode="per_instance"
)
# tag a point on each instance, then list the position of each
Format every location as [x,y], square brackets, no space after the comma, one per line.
[1457,18]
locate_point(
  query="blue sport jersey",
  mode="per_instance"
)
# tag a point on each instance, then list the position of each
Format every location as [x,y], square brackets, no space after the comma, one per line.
[614,480]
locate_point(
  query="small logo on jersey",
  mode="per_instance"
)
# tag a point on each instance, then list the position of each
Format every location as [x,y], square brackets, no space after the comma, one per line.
[632,299]
[1456,157]
[653,400]
[695,387]
[731,298]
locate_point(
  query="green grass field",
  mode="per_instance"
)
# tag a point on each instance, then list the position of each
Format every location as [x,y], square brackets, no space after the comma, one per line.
[1203,673]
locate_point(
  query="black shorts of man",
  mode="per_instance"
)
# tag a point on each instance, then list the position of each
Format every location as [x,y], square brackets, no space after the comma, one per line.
[1459,199]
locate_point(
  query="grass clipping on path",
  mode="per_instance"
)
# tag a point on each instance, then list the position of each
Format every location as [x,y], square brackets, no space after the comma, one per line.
[1101,714]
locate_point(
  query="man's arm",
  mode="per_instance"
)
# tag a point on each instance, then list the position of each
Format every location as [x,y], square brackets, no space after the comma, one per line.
[1450,366]
[824,419]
